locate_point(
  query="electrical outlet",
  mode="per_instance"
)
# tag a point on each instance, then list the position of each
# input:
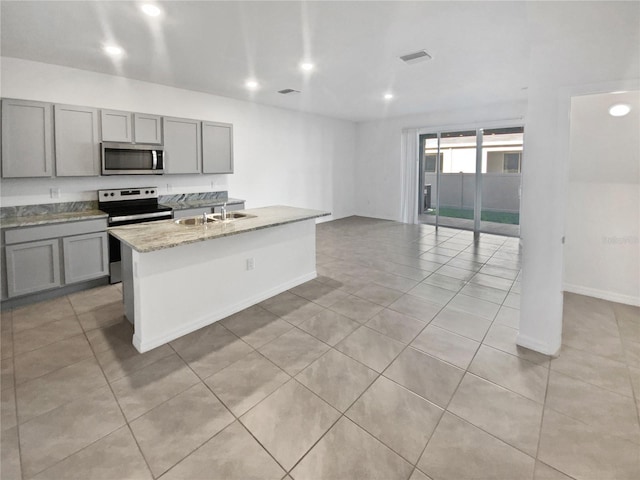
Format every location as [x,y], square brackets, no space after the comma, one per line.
[251,263]
[54,192]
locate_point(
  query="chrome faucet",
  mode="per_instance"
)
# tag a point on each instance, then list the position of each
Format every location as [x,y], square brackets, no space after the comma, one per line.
[223,211]
[204,218]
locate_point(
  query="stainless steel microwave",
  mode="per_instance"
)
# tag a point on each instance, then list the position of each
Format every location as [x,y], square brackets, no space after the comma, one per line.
[132,159]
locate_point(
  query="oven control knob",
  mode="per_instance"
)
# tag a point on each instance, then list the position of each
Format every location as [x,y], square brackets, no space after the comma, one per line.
[146,191]
[112,194]
[106,195]
[152,191]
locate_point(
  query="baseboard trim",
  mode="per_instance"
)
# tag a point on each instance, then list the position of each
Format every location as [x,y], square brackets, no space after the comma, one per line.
[219,314]
[602,294]
[536,345]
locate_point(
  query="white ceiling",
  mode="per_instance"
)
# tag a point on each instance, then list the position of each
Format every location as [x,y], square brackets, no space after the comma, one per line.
[480,50]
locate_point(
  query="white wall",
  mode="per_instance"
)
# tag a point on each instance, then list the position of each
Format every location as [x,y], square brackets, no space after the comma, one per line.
[281,156]
[602,249]
[378,168]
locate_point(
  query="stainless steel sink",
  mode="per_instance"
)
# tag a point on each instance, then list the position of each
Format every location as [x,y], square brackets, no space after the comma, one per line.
[232,216]
[199,220]
[212,218]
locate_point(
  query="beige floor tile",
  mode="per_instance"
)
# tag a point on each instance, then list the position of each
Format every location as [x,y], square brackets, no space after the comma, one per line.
[57,388]
[474,306]
[396,325]
[95,298]
[503,338]
[109,338]
[8,414]
[123,359]
[631,353]
[337,379]
[458,450]
[10,455]
[256,326]
[210,349]
[510,417]
[432,294]
[462,323]
[512,300]
[501,272]
[378,294]
[46,334]
[318,292]
[545,472]
[482,292]
[173,430]
[367,458]
[102,316]
[397,417]
[418,475]
[232,454]
[293,351]
[115,456]
[579,451]
[594,332]
[452,271]
[396,282]
[491,281]
[425,375]
[356,308]
[509,317]
[416,307]
[606,412]
[371,348]
[38,314]
[47,359]
[6,373]
[292,308]
[150,386]
[329,326]
[289,422]
[246,382]
[6,321]
[514,373]
[443,281]
[446,346]
[6,345]
[74,426]
[593,369]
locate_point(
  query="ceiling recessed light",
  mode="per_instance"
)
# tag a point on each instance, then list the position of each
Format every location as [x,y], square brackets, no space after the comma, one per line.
[113,50]
[151,9]
[619,110]
[388,96]
[307,67]
[251,84]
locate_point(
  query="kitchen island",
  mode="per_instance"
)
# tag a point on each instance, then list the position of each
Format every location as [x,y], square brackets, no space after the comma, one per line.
[177,278]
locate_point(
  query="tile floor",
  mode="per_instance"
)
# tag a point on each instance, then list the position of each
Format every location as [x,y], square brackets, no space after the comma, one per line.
[397,362]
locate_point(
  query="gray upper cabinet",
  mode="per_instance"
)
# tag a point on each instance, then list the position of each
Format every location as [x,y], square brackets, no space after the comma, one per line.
[77,144]
[116,126]
[27,139]
[182,145]
[147,128]
[217,147]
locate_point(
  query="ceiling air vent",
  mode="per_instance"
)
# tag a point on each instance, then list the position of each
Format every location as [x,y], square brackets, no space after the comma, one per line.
[288,91]
[415,57]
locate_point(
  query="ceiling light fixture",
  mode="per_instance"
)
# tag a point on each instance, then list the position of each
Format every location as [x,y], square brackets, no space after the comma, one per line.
[113,50]
[251,84]
[415,57]
[388,96]
[307,67]
[619,110]
[151,9]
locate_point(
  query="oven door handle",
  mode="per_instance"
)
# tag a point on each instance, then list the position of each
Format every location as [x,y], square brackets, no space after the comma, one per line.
[140,216]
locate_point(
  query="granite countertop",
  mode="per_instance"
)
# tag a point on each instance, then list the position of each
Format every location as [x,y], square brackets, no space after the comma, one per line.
[50,217]
[149,237]
[197,203]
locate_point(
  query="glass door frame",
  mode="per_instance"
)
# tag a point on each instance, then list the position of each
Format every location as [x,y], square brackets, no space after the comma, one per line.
[423,134]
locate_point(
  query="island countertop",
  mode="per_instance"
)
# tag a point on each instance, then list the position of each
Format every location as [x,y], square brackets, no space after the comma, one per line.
[152,236]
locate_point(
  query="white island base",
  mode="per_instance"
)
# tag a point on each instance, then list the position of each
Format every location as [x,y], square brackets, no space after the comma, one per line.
[171,292]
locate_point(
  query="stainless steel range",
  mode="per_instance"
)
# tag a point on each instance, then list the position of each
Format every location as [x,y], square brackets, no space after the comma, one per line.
[127,206]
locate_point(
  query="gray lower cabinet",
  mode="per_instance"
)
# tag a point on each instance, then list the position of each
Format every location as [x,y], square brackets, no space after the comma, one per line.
[217,147]
[43,257]
[27,139]
[32,267]
[77,141]
[182,145]
[85,257]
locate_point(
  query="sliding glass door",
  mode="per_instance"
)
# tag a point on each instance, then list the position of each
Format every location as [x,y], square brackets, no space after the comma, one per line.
[470,179]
